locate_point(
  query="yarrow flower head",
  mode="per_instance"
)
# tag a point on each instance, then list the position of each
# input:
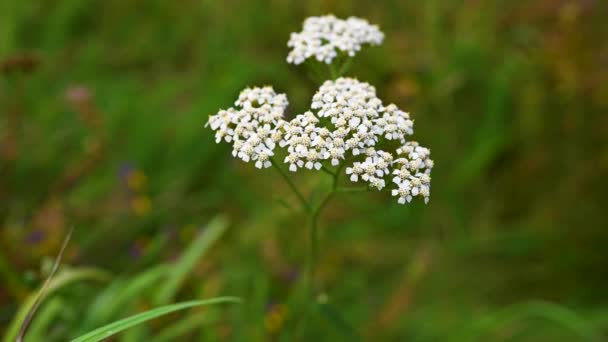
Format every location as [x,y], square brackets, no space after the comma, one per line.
[412,172]
[347,127]
[347,122]
[325,37]
[253,127]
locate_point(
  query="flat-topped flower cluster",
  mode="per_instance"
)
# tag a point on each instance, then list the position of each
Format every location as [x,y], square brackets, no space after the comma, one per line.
[254,127]
[347,123]
[347,126]
[326,36]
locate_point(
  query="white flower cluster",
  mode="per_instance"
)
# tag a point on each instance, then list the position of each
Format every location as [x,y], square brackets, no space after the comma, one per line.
[324,37]
[412,172]
[347,121]
[373,169]
[349,107]
[347,124]
[351,120]
[254,127]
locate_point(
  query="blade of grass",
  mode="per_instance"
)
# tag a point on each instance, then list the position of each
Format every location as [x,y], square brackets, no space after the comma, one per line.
[183,327]
[560,315]
[46,314]
[38,299]
[123,324]
[24,316]
[195,251]
[121,294]
[334,317]
[62,280]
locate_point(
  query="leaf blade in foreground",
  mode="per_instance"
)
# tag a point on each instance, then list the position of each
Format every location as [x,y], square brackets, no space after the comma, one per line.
[125,323]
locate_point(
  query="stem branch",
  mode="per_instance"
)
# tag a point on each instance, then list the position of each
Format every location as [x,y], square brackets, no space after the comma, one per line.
[328,171]
[314,225]
[292,186]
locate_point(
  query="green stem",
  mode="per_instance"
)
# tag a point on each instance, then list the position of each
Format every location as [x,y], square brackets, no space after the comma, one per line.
[314,239]
[337,174]
[333,73]
[345,66]
[314,242]
[292,186]
[314,225]
[318,75]
[328,171]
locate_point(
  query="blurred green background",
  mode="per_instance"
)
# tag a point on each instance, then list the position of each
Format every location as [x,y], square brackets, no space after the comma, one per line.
[102,107]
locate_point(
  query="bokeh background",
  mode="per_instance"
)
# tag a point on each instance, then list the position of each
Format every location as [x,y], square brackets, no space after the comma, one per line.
[102,107]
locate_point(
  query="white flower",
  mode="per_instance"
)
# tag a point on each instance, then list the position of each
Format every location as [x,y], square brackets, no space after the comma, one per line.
[350,105]
[394,124]
[403,192]
[373,169]
[304,141]
[377,183]
[413,168]
[354,171]
[326,36]
[263,159]
[254,127]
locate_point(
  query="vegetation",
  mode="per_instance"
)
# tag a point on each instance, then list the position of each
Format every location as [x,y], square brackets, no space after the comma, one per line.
[102,107]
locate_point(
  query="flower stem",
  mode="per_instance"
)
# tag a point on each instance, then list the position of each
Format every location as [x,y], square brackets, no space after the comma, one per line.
[333,73]
[292,186]
[314,215]
[314,226]
[314,239]
[328,171]
[345,66]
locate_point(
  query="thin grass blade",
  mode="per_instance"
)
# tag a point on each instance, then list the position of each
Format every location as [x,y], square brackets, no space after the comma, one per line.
[126,323]
[195,251]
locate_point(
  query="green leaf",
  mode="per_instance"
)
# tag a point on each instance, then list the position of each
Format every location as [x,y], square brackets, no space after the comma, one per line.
[121,294]
[126,323]
[195,251]
[63,279]
[337,321]
[184,326]
[559,315]
[44,319]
